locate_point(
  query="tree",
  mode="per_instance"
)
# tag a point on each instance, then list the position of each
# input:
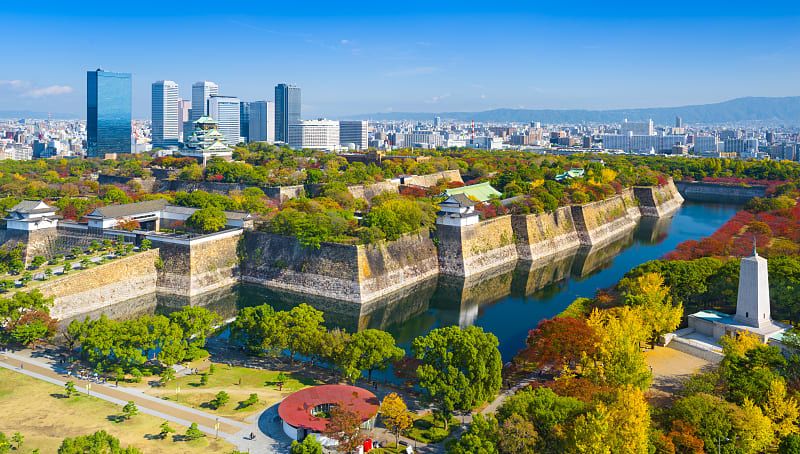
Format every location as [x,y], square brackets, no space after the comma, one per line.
[588,433]
[517,436]
[344,427]
[146,245]
[207,220]
[37,262]
[460,368]
[652,298]
[781,409]
[395,415]
[547,411]
[219,400]
[790,445]
[167,375]
[98,442]
[629,422]
[618,360]
[69,388]
[196,323]
[5,444]
[193,432]
[558,342]
[368,350]
[166,429]
[303,329]
[309,445]
[480,438]
[251,400]
[129,410]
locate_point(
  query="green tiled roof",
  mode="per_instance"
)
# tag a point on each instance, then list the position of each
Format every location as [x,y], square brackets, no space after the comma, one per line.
[480,192]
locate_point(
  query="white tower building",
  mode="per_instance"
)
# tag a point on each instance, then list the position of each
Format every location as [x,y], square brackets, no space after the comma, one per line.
[752,303]
[201,92]
[262,121]
[225,109]
[165,114]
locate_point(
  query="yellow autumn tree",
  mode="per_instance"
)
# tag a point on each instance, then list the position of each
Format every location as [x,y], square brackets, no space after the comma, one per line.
[618,359]
[395,415]
[651,298]
[781,409]
[753,427]
[629,422]
[588,432]
[737,345]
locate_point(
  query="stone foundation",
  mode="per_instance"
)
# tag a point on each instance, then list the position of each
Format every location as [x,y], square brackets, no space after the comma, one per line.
[658,201]
[601,222]
[473,249]
[538,236]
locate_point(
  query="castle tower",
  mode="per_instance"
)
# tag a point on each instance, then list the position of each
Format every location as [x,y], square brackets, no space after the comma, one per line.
[752,303]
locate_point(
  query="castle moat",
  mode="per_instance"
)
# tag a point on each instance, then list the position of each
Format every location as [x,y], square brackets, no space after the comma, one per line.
[507,301]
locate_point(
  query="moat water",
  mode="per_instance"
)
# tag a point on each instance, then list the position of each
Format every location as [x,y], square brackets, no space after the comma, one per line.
[507,302]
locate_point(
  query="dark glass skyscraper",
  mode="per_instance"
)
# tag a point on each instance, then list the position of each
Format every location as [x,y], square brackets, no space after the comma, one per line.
[108,112]
[244,121]
[287,110]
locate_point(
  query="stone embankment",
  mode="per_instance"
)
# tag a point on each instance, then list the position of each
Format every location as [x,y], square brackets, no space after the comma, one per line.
[696,191]
[602,221]
[354,273]
[658,201]
[538,236]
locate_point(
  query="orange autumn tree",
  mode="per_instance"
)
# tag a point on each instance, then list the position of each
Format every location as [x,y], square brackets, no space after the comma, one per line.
[557,343]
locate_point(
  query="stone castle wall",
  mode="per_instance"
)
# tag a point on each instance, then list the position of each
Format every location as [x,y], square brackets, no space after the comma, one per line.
[189,269]
[121,279]
[716,192]
[346,272]
[369,191]
[433,178]
[464,251]
[545,234]
[658,201]
[603,221]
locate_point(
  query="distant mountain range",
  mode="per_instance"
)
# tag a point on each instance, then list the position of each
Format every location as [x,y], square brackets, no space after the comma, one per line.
[13,114]
[784,110]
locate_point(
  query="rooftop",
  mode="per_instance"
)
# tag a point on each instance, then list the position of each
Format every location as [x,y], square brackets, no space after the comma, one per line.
[128,209]
[296,408]
[31,207]
[480,192]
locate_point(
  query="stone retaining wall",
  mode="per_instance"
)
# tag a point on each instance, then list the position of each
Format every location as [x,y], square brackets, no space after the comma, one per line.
[84,291]
[464,251]
[545,234]
[603,221]
[658,201]
[717,192]
[433,178]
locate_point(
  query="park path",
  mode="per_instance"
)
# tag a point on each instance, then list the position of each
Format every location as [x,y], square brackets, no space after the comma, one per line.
[233,431]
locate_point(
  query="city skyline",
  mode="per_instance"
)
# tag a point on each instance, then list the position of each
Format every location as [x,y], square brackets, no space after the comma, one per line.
[445,57]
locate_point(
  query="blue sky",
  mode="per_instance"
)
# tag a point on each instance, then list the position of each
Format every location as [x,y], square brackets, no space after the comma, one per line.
[361,57]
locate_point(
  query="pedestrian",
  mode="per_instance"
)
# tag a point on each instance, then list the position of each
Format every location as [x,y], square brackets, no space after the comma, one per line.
[21,366]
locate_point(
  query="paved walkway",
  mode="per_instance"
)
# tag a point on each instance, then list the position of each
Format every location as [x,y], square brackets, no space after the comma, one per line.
[233,431]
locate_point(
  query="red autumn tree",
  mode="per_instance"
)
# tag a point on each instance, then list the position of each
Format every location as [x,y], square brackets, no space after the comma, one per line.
[344,426]
[558,342]
[684,437]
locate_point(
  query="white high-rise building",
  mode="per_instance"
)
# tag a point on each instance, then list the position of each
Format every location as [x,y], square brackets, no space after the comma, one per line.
[184,109]
[201,92]
[645,128]
[262,121]
[225,109]
[166,125]
[315,134]
[354,132]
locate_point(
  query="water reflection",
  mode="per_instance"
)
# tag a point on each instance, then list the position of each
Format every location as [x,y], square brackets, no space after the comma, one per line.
[507,302]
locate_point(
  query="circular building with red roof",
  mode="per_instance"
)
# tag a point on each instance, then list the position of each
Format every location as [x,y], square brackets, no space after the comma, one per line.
[307,411]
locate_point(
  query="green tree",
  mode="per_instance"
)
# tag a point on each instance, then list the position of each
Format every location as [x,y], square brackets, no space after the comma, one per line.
[18,440]
[193,432]
[368,350]
[69,388]
[130,410]
[309,445]
[790,444]
[460,368]
[196,323]
[166,429]
[304,329]
[146,245]
[480,438]
[219,400]
[207,220]
[98,442]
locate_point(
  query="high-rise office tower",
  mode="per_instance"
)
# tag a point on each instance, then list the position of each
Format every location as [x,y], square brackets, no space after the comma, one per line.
[262,121]
[201,91]
[184,110]
[244,121]
[678,122]
[287,110]
[166,124]
[108,112]
[353,132]
[225,109]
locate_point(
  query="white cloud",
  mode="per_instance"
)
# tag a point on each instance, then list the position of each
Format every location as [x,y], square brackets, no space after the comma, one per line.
[344,42]
[52,90]
[27,89]
[436,99]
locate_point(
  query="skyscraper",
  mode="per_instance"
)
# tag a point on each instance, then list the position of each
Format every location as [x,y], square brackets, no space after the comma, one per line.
[184,110]
[262,121]
[354,132]
[287,110]
[225,109]
[201,91]
[166,117]
[244,121]
[108,112]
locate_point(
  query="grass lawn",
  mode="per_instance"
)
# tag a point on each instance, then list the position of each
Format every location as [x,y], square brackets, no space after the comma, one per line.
[238,382]
[390,449]
[428,430]
[28,406]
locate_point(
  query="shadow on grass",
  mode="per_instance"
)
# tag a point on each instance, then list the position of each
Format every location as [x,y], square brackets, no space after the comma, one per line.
[59,395]
[117,419]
